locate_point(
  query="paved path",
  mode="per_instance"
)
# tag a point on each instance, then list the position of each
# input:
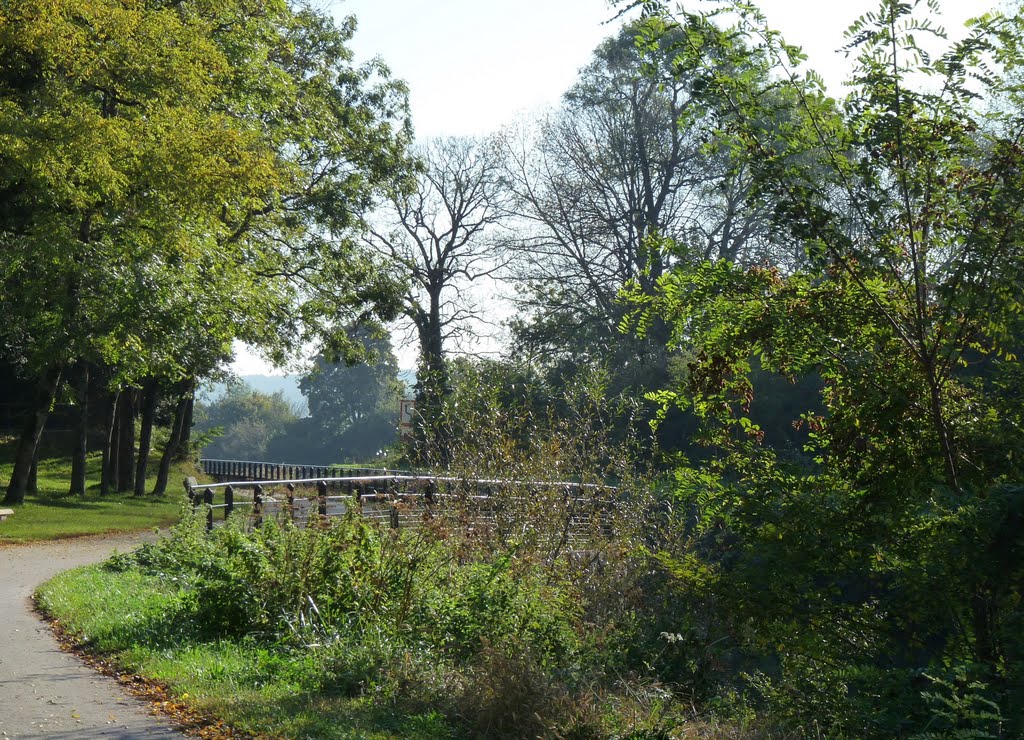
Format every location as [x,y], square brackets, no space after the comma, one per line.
[45,692]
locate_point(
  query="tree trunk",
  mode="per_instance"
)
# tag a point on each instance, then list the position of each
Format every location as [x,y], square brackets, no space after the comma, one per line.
[78,456]
[33,428]
[109,453]
[149,397]
[942,431]
[33,474]
[185,440]
[172,447]
[126,441]
[432,385]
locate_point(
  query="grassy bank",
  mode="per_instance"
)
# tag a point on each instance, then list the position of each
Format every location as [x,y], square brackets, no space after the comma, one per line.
[353,630]
[51,513]
[268,689]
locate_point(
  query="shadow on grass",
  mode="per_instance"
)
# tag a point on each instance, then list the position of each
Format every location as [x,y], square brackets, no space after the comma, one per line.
[90,504]
[324,715]
[54,466]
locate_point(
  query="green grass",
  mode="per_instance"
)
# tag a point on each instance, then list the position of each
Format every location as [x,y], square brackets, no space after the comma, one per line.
[351,630]
[53,514]
[148,622]
[143,622]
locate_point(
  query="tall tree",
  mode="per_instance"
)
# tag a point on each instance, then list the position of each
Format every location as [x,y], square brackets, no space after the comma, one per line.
[340,394]
[628,158]
[353,408]
[441,236]
[81,444]
[199,164]
[909,309]
[182,393]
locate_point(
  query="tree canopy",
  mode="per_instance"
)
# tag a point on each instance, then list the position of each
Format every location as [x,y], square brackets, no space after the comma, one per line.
[179,175]
[885,552]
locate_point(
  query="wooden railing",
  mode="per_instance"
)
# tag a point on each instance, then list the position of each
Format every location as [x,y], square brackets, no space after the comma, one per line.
[400,500]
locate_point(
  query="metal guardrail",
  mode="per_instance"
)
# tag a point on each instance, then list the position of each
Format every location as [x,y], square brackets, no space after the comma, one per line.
[241,470]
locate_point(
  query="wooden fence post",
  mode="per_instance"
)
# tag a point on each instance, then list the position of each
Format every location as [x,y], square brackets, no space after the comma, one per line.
[208,500]
[229,501]
[291,501]
[191,484]
[391,490]
[321,490]
[257,504]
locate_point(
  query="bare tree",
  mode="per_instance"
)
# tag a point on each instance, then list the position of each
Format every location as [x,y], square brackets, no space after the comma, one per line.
[629,155]
[441,238]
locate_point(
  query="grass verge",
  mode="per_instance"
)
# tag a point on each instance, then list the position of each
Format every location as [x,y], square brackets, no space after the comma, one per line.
[254,688]
[349,630]
[52,513]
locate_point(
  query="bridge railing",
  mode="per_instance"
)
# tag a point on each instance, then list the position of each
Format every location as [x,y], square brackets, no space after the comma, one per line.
[408,500]
[254,470]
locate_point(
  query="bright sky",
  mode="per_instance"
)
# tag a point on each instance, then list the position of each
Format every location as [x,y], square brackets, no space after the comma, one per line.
[472,66]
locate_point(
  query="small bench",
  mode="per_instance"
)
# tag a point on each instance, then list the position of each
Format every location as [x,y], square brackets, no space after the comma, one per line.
[4,513]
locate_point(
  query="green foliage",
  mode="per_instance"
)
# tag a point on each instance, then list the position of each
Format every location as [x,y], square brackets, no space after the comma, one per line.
[488,619]
[843,576]
[353,411]
[378,613]
[503,420]
[244,423]
[961,709]
[180,175]
[309,585]
[353,407]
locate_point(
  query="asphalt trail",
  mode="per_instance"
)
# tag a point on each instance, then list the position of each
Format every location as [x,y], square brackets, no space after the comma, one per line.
[44,691]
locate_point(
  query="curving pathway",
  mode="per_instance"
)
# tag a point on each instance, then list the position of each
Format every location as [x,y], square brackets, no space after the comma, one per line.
[44,691]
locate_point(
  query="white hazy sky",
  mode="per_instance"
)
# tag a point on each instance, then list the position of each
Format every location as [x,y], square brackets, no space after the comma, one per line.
[472,66]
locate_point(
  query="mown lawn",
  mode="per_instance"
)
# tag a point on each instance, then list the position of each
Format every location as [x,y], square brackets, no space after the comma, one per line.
[52,513]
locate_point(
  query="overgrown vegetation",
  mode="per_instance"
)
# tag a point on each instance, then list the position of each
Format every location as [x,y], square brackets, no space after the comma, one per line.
[489,619]
[871,589]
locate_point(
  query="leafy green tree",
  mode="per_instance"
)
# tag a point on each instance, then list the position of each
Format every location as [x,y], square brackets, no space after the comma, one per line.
[245,421]
[179,170]
[889,555]
[354,407]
